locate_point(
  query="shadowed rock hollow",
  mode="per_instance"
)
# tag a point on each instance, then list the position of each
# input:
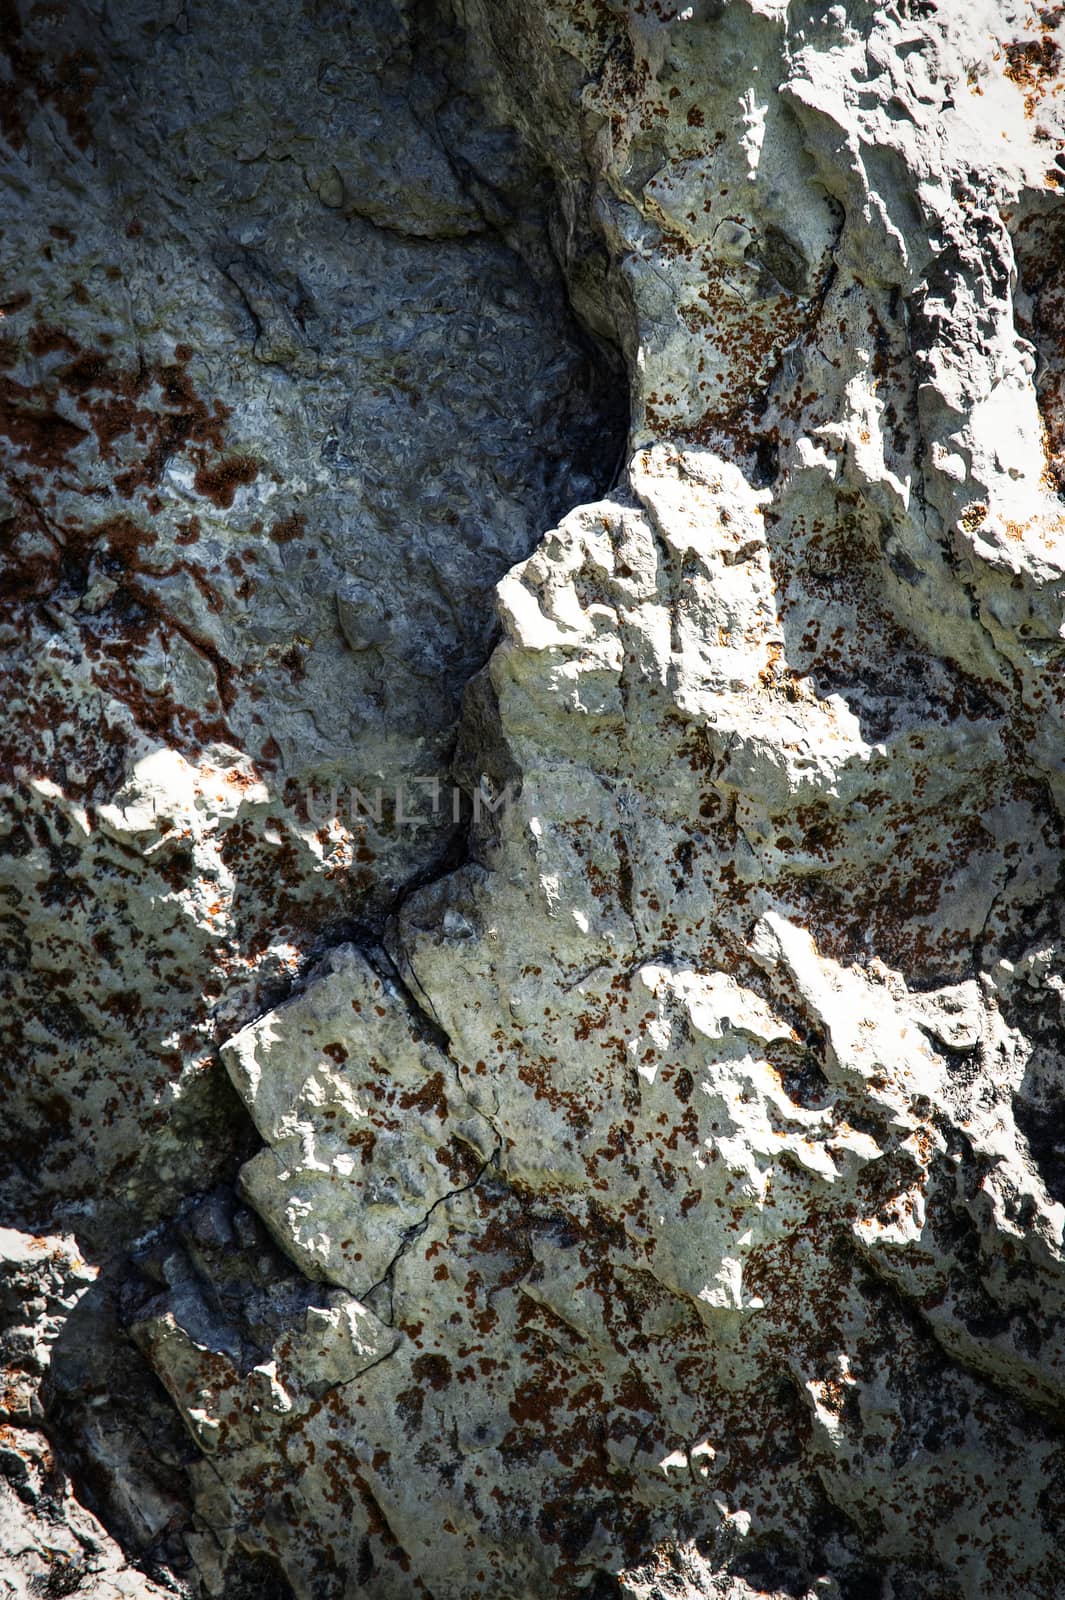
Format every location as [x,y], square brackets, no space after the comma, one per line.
[644,1176]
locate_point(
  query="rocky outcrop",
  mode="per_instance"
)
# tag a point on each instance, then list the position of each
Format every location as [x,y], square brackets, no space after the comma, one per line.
[651,1176]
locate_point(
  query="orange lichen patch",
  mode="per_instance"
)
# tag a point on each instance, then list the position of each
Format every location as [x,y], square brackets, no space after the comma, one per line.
[118,548]
[783,681]
[1035,64]
[739,342]
[188,532]
[45,337]
[220,481]
[82,413]
[907,910]
[430,1097]
[33,80]
[288,528]
[125,541]
[37,431]
[156,408]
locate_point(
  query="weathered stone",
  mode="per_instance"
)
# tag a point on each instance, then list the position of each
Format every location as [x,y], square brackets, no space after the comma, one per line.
[51,1544]
[265,459]
[666,1141]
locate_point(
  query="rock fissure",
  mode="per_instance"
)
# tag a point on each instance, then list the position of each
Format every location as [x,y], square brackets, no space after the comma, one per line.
[417,1229]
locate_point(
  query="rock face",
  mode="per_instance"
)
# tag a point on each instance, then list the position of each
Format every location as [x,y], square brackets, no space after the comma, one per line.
[624,962]
[249,328]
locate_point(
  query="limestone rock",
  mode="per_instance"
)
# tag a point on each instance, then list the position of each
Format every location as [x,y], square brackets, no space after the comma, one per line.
[265,458]
[665,1143]
[351,1135]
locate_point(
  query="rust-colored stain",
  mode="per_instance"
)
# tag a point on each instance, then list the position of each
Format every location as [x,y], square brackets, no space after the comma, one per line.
[64,79]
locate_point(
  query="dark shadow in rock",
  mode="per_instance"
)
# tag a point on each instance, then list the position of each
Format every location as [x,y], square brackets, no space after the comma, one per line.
[1039,1099]
[109,1417]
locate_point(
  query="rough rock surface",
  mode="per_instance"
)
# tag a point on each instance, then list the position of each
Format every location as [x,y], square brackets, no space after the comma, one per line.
[253,314]
[52,1545]
[653,1171]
